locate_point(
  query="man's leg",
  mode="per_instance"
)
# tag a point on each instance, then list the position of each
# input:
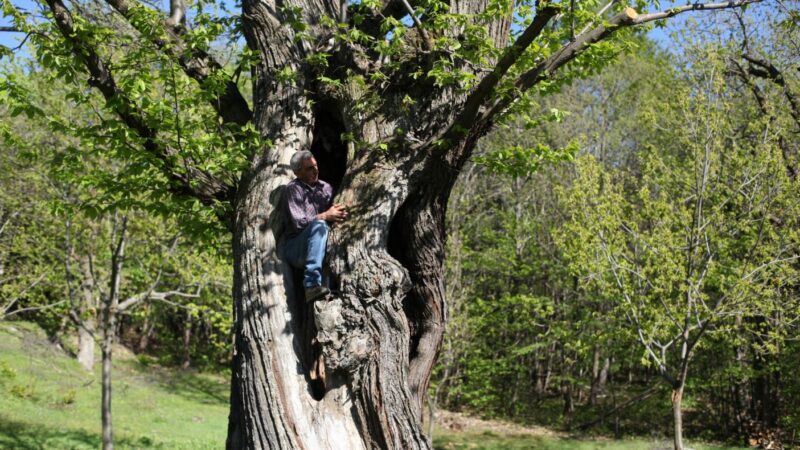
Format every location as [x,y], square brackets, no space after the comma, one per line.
[316,243]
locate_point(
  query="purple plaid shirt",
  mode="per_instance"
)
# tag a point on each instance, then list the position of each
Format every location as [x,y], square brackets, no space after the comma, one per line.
[304,202]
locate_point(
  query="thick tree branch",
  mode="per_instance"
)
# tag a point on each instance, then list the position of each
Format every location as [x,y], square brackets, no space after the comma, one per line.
[425,38]
[177,16]
[510,56]
[196,63]
[189,181]
[764,69]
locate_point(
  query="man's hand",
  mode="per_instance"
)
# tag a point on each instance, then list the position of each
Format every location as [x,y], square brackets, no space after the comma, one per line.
[336,213]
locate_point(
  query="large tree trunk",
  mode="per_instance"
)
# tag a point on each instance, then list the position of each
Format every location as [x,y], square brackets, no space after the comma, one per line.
[381,332]
[363,330]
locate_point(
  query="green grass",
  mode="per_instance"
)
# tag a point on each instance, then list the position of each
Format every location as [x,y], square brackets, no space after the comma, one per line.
[48,401]
[489,440]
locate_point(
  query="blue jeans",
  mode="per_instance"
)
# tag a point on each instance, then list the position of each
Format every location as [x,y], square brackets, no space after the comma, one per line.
[307,250]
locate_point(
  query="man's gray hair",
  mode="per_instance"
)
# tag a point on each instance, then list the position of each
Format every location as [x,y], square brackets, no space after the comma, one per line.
[297,159]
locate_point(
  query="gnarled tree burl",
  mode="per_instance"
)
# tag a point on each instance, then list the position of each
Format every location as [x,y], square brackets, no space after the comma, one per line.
[393,108]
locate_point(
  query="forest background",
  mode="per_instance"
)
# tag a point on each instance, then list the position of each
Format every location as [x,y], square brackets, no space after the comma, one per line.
[635,237]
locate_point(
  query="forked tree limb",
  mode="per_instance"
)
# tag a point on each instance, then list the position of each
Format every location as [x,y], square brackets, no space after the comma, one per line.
[764,69]
[195,62]
[511,54]
[627,18]
[186,180]
[372,23]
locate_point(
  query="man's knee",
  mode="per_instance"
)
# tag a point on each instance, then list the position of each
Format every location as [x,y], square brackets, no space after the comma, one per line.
[319,228]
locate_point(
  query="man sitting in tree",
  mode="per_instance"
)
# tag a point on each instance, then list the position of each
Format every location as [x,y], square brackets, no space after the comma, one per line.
[309,210]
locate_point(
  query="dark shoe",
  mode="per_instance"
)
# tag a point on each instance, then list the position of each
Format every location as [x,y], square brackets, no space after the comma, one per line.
[315,293]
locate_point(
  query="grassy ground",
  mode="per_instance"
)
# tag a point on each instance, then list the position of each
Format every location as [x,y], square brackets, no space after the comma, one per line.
[459,432]
[489,440]
[47,401]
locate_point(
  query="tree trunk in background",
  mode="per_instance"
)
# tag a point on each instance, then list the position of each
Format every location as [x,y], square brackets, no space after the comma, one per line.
[147,329]
[595,376]
[87,314]
[677,417]
[109,330]
[187,339]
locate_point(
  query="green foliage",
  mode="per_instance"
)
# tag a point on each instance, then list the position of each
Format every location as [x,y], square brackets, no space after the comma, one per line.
[60,203]
[678,204]
[518,161]
[169,102]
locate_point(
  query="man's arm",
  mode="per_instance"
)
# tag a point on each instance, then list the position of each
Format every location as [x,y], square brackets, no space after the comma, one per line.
[333,212]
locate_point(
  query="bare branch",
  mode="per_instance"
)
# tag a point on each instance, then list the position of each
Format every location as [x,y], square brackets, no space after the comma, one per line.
[150,292]
[189,181]
[644,18]
[372,23]
[425,37]
[10,30]
[34,308]
[10,217]
[177,16]
[599,14]
[163,296]
[14,300]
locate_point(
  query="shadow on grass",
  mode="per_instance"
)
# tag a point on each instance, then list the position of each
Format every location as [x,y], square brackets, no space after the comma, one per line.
[26,436]
[188,384]
[200,389]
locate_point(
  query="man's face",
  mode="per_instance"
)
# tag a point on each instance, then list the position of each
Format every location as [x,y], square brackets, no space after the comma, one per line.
[309,172]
